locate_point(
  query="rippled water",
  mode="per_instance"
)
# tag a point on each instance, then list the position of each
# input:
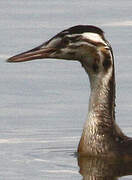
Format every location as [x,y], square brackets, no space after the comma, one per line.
[43,103]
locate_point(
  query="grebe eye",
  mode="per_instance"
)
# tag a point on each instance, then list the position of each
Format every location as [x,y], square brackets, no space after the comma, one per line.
[65,40]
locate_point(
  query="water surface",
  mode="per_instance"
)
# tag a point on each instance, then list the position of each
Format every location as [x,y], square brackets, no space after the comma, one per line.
[44,102]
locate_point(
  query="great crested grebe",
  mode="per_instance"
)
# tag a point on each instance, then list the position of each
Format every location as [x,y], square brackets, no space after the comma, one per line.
[85,43]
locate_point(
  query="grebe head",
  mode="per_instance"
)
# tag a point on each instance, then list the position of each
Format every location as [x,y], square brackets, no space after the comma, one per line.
[82,43]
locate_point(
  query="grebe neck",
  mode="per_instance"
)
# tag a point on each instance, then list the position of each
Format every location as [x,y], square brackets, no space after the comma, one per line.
[100,127]
[102,99]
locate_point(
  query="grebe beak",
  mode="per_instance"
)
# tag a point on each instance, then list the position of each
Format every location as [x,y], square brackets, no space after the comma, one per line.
[36,53]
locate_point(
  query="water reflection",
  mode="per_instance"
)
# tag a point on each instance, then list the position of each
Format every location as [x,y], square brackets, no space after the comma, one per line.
[103,169]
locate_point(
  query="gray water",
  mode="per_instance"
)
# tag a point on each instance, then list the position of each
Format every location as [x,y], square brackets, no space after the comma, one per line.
[43,103]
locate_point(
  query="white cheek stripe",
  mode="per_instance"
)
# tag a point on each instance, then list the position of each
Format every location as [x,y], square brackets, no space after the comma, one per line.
[94,37]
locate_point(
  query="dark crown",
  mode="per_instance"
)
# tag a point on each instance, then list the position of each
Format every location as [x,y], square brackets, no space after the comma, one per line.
[79,29]
[84,28]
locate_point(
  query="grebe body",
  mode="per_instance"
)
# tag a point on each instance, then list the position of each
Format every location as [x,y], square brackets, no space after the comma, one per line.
[84,43]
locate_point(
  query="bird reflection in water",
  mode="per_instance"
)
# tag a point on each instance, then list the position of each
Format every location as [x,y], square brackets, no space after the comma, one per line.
[93,168]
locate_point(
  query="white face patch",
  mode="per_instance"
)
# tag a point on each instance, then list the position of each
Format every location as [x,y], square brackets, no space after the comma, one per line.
[94,37]
[73,35]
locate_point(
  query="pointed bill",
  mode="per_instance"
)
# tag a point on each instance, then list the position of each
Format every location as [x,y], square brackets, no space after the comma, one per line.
[36,53]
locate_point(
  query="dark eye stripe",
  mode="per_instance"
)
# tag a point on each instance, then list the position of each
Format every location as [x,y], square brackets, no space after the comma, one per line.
[65,40]
[68,39]
[75,39]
